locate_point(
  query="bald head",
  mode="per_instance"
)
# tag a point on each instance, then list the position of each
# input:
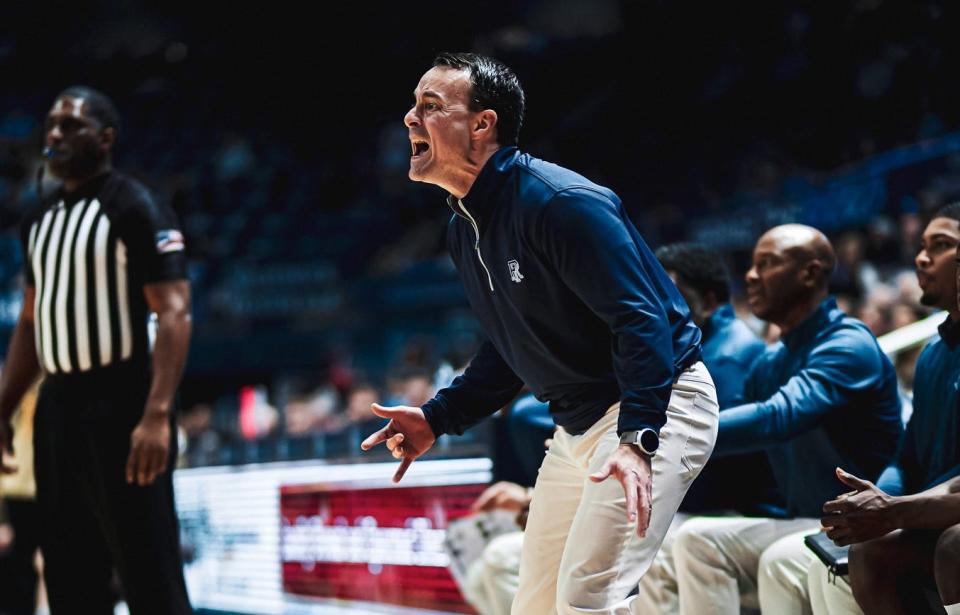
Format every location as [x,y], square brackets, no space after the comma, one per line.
[803,244]
[790,273]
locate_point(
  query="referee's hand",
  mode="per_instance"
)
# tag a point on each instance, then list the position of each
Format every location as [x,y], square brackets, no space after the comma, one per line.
[149,449]
[408,435]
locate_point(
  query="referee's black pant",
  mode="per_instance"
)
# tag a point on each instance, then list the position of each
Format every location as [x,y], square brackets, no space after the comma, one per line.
[93,521]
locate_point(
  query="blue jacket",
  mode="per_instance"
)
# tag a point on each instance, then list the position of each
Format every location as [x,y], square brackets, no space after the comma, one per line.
[729,349]
[929,453]
[573,301]
[825,396]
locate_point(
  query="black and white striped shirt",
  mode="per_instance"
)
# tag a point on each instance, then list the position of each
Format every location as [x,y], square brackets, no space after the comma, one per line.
[88,256]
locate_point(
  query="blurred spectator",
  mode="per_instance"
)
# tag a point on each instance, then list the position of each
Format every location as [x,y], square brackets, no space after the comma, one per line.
[875,311]
[409,386]
[203,440]
[852,275]
[358,412]
[308,414]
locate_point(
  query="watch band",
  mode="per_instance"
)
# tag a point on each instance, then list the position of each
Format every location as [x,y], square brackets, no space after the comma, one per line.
[636,438]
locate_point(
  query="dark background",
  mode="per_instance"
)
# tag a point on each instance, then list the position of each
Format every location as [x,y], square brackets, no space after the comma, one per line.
[275,132]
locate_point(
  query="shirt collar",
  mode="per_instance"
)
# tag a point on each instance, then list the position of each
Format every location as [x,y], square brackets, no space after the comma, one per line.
[491,178]
[950,332]
[809,328]
[87,190]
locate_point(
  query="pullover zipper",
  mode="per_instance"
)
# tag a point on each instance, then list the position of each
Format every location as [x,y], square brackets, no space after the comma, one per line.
[476,245]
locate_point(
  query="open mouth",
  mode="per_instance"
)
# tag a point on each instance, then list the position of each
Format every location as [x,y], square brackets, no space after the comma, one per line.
[419,147]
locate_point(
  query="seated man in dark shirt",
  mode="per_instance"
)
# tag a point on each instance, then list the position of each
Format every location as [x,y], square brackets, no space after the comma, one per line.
[902,543]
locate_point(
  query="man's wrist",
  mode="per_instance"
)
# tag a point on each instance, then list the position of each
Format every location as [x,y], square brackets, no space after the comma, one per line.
[633,448]
[158,411]
[645,439]
[900,509]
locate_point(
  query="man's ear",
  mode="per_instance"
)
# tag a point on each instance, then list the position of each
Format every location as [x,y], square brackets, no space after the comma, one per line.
[812,273]
[485,125]
[108,136]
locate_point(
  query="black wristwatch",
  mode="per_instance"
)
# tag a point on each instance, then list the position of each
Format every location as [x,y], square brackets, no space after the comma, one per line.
[646,439]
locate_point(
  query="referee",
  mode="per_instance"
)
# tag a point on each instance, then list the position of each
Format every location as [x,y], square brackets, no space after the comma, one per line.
[100,255]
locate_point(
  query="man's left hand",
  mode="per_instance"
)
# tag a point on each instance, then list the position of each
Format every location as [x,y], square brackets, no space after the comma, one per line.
[862,514]
[631,466]
[149,449]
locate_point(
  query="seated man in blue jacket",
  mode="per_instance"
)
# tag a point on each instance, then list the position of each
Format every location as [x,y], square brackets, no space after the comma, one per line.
[825,396]
[904,530]
[576,306]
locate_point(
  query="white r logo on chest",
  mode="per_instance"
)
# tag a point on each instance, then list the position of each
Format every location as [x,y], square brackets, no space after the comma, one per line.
[515,274]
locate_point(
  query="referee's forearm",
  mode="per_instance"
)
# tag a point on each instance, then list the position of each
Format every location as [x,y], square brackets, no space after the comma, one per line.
[169,356]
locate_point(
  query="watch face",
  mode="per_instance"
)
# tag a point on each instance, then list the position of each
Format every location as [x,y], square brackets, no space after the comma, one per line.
[649,440]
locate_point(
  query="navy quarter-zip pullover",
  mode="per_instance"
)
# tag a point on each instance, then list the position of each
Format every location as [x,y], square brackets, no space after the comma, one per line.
[573,302]
[824,397]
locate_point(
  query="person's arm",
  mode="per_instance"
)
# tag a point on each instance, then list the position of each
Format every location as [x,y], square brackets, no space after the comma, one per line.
[156,249]
[583,235]
[868,512]
[834,372]
[150,440]
[487,385]
[586,238]
[935,509]
[19,372]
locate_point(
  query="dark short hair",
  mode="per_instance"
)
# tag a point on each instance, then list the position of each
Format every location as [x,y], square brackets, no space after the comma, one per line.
[97,104]
[493,86]
[698,267]
[950,210]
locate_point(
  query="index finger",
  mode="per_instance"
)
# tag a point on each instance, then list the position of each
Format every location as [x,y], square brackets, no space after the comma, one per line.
[375,438]
[644,509]
[402,469]
[629,482]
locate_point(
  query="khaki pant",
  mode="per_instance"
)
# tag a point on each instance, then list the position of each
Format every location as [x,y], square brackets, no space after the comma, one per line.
[493,579]
[578,539]
[719,560]
[829,595]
